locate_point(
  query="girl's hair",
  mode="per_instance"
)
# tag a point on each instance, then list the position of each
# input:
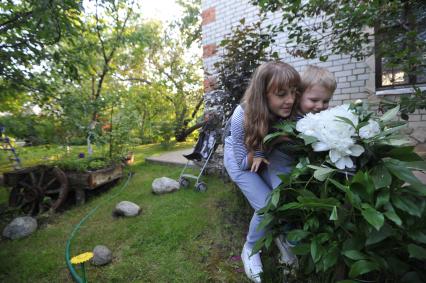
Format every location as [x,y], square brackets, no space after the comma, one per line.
[270,77]
[314,75]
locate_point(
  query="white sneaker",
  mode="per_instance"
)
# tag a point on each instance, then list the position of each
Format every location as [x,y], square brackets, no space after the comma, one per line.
[252,265]
[287,256]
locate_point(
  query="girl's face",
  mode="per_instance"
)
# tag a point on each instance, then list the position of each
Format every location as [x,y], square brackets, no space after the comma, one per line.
[314,99]
[281,102]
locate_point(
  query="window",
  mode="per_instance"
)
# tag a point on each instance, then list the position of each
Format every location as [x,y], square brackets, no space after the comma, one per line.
[401,49]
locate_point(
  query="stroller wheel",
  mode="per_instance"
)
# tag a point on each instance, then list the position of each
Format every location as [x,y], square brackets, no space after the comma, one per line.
[201,187]
[183,182]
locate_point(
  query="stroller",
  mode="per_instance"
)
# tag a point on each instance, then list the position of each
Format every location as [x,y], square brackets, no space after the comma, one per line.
[204,148]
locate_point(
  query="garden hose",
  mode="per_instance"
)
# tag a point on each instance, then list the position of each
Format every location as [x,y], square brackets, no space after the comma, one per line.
[70,267]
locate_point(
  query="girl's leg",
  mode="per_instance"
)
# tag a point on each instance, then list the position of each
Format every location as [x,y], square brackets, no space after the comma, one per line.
[279,163]
[254,189]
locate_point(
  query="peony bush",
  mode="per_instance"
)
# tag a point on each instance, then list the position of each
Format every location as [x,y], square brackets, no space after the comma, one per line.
[356,209]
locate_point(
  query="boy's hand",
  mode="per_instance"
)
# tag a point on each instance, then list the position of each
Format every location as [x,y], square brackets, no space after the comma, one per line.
[257,162]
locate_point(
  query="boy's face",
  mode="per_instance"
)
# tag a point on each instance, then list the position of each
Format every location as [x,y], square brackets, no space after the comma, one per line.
[314,99]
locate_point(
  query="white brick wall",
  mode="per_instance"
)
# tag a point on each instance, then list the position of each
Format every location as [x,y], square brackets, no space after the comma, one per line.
[355,78]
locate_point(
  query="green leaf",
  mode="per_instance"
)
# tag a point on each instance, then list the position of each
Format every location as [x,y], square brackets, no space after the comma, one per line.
[330,257]
[405,153]
[307,139]
[345,120]
[338,185]
[317,251]
[353,198]
[418,236]
[326,203]
[382,198]
[285,179]
[361,267]
[416,251]
[375,218]
[391,215]
[399,170]
[290,205]
[321,173]
[297,235]
[267,218]
[407,204]
[333,215]
[354,255]
[390,114]
[301,249]
[381,176]
[275,197]
[323,58]
[378,236]
[272,136]
[416,165]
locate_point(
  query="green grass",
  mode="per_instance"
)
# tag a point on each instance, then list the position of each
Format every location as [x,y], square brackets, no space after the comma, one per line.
[180,237]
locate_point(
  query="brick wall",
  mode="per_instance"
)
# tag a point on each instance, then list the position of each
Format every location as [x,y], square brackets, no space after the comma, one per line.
[355,79]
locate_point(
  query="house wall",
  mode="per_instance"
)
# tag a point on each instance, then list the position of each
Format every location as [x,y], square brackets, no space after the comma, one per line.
[355,79]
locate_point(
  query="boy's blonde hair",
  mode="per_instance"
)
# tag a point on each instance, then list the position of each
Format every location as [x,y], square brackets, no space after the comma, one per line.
[314,75]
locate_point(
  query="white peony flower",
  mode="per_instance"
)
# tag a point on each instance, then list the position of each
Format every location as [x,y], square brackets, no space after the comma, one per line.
[333,134]
[370,130]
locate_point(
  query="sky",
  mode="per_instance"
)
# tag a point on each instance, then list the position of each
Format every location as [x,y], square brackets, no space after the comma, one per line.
[164,10]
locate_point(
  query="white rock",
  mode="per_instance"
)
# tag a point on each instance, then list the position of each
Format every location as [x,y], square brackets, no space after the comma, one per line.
[164,185]
[101,255]
[20,227]
[126,208]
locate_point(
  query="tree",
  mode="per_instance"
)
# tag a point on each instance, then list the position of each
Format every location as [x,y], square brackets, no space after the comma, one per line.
[27,29]
[181,79]
[392,30]
[190,24]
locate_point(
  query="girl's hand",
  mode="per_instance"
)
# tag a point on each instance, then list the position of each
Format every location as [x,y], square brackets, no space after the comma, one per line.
[257,162]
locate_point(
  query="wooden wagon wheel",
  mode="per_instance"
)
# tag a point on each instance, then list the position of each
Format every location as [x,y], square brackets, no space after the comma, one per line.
[39,189]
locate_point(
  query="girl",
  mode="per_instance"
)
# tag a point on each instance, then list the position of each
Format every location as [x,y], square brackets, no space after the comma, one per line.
[270,96]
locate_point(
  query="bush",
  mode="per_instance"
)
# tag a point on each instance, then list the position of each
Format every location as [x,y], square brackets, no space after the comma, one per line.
[362,224]
[244,50]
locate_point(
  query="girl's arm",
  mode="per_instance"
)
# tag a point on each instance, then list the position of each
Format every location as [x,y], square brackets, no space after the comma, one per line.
[241,154]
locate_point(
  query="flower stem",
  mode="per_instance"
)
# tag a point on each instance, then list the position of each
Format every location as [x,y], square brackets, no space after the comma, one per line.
[83,272]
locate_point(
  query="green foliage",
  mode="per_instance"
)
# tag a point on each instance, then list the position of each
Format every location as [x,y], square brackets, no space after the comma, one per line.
[392,30]
[82,164]
[32,128]
[368,223]
[28,29]
[190,24]
[340,27]
[244,50]
[409,103]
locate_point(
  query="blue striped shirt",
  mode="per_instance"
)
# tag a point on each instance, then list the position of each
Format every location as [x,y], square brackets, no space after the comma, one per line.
[238,134]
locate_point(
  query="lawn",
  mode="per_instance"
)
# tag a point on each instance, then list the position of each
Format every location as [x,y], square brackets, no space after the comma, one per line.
[185,236]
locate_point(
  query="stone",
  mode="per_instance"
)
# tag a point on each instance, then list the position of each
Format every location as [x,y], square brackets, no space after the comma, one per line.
[164,185]
[101,255]
[126,208]
[419,134]
[20,227]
